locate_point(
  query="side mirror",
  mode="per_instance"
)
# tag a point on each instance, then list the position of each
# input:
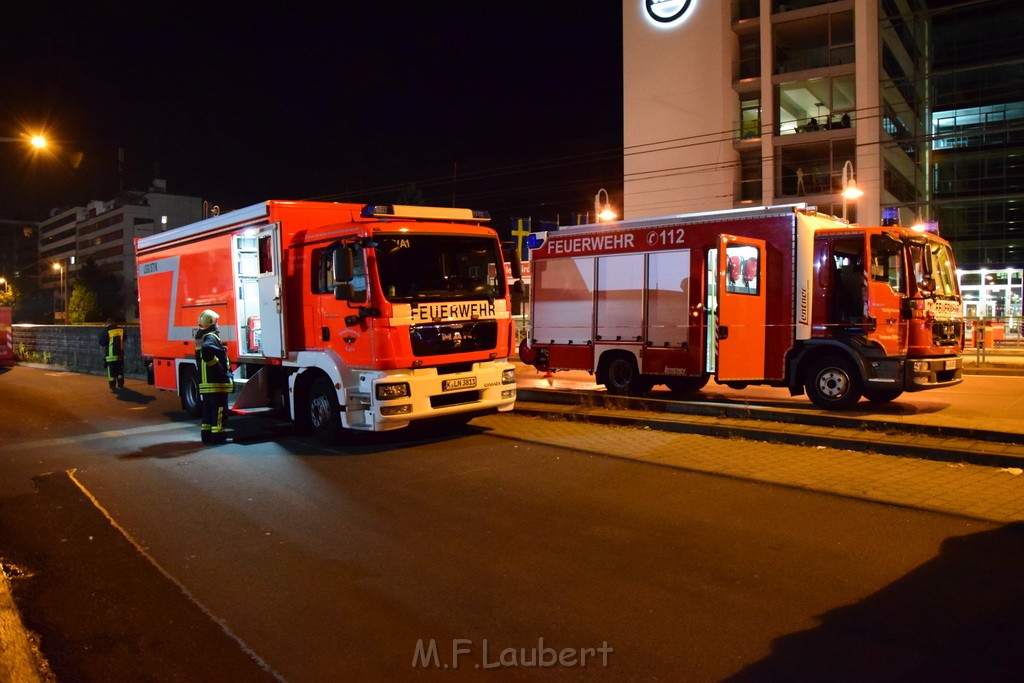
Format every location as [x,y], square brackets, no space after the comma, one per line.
[343,266]
[518,289]
[927,284]
[513,259]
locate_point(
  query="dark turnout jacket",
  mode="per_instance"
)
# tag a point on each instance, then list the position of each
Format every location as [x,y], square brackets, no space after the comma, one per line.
[212,359]
[112,337]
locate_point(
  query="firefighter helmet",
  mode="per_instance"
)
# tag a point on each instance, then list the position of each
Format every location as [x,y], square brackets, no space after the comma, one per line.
[207,318]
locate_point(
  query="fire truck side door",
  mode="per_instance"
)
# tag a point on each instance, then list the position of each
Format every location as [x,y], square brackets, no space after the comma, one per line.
[742,308]
[271,309]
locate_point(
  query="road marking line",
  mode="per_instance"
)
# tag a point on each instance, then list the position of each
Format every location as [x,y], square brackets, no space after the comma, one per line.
[167,575]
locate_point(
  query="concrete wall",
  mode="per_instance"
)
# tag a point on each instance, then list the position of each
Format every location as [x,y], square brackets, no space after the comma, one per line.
[76,347]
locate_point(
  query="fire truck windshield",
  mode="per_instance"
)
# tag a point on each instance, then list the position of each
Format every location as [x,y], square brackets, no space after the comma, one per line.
[934,272]
[439,267]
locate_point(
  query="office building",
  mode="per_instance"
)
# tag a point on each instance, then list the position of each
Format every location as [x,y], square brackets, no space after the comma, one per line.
[104,232]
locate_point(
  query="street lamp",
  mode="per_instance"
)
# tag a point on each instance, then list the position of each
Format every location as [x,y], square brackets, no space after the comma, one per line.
[63,303]
[603,212]
[36,140]
[850,189]
[3,281]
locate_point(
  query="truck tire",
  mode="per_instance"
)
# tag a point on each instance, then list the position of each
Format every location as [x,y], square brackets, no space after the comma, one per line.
[686,385]
[881,395]
[620,376]
[323,415]
[833,383]
[188,390]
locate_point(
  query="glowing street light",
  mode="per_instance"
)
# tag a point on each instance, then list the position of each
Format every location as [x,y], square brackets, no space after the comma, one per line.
[63,300]
[36,140]
[850,189]
[3,281]
[603,212]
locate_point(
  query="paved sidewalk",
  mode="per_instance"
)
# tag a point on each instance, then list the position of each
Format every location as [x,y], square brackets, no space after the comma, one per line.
[993,494]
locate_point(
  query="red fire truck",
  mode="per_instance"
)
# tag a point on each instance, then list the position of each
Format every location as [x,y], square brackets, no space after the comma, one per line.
[781,296]
[343,316]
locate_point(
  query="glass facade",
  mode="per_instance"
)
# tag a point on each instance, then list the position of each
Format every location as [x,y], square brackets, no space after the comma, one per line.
[977,132]
[810,89]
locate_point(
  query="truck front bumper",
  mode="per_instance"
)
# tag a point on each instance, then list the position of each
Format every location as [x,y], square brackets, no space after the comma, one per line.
[927,373]
[397,398]
[913,374]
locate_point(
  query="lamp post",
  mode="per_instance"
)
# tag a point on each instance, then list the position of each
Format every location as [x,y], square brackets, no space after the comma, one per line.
[63,304]
[3,281]
[603,212]
[850,189]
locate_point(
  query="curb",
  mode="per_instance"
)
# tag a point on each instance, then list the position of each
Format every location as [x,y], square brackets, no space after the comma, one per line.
[17,662]
[944,444]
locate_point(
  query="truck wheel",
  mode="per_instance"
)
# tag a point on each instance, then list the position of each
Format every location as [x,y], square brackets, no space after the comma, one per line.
[881,395]
[833,383]
[188,388]
[323,415]
[620,376]
[686,385]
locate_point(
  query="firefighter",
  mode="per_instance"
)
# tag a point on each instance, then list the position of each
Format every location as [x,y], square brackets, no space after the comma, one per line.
[112,339]
[215,381]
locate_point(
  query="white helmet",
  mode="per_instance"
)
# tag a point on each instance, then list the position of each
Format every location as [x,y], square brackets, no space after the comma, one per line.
[207,318]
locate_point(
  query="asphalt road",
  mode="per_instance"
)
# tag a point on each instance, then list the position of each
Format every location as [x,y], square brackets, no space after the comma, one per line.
[143,556]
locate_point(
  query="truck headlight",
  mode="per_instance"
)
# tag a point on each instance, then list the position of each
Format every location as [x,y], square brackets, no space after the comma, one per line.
[508,376]
[387,392]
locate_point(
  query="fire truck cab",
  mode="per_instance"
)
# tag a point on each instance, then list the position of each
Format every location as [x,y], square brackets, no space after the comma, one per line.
[781,296]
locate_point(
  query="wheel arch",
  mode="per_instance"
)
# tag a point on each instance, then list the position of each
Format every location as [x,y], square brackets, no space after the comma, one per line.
[604,355]
[637,383]
[810,352]
[312,366]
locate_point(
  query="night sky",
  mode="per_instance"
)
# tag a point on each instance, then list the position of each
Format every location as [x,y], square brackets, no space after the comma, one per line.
[511,107]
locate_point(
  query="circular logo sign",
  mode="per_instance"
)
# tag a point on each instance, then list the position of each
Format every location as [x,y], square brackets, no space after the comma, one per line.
[667,12]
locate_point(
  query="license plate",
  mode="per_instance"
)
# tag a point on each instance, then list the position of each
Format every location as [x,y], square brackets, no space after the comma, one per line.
[456,384]
[951,364]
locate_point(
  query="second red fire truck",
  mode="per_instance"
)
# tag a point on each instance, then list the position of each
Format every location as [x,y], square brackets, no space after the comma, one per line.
[781,296]
[343,316]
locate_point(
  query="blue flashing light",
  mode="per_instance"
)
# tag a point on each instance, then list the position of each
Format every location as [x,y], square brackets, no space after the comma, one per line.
[890,216]
[376,211]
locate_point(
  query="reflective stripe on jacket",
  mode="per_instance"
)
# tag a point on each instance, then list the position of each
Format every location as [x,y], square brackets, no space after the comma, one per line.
[212,359]
[113,339]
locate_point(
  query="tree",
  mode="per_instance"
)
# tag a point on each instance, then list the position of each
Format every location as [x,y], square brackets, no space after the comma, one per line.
[84,306]
[31,304]
[8,295]
[105,287]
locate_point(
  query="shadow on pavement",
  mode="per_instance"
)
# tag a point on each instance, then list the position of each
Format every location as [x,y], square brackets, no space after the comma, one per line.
[169,449]
[960,616]
[132,396]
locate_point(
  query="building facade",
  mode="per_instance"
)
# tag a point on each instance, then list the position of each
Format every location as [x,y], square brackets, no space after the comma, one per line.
[757,102]
[977,131]
[18,248]
[104,233]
